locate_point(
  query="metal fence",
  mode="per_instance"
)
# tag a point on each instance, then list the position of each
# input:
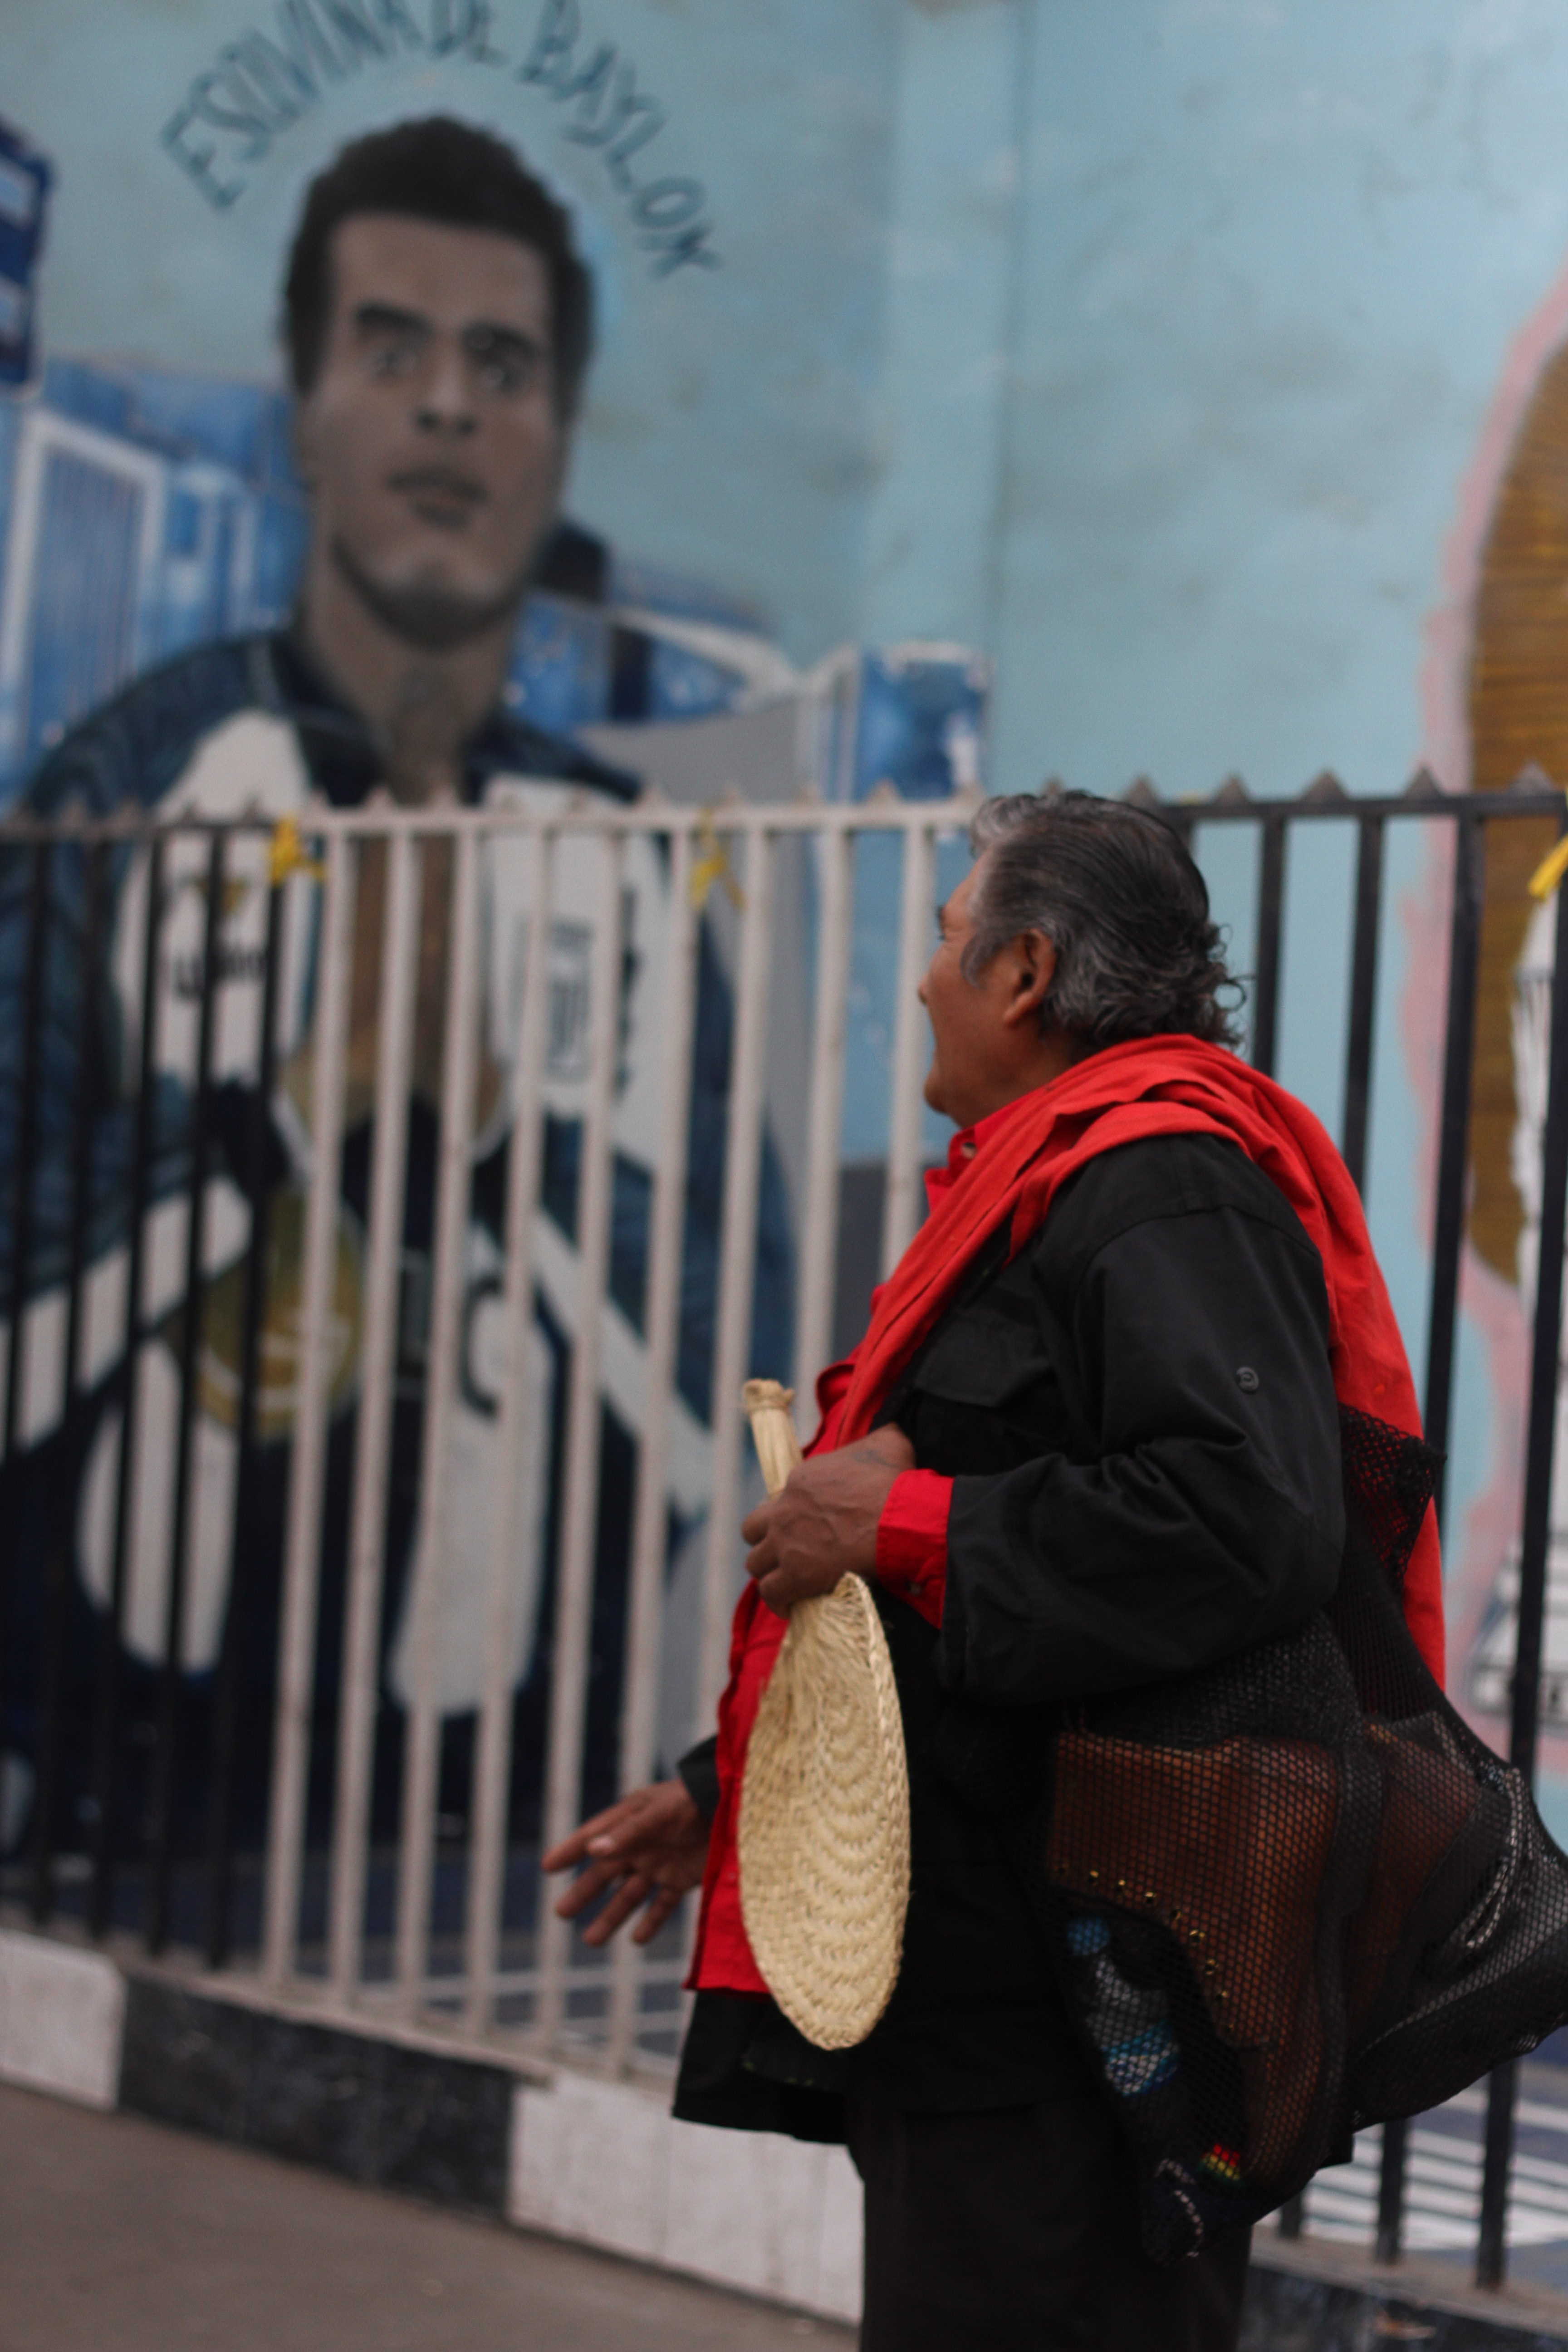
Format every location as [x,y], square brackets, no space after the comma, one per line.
[276,1371]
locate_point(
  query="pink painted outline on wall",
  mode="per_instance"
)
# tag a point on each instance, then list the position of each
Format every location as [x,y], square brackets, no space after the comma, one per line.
[1491,1523]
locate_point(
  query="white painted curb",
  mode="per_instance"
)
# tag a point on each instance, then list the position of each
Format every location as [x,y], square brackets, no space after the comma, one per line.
[62,2016]
[607,2164]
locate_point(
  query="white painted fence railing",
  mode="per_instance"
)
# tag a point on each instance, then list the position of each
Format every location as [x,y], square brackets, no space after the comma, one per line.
[748,838]
[560,939]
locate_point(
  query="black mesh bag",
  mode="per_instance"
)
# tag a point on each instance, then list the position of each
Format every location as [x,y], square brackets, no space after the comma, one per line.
[1294,1894]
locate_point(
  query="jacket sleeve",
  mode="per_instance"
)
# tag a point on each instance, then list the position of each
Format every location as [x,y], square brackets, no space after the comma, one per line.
[1203,1511]
[698,1769]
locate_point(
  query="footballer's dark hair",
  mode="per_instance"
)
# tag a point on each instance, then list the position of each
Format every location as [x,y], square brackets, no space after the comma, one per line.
[445,170]
[1127,911]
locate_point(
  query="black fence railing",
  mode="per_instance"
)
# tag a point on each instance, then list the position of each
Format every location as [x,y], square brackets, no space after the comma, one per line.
[110,1766]
[1470,816]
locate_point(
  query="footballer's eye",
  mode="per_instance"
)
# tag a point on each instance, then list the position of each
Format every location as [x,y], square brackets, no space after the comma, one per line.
[505,362]
[391,341]
[385,361]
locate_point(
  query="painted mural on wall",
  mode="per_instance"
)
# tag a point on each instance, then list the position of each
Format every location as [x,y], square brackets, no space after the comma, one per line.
[1499,689]
[1517,712]
[215,596]
[215,600]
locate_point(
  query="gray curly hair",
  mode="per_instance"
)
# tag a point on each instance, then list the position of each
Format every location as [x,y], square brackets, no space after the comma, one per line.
[1115,891]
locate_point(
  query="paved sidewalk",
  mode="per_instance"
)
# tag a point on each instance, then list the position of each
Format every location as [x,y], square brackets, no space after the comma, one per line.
[118,2235]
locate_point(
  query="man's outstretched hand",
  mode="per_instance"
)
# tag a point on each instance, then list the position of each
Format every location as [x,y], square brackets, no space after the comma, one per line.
[824,1524]
[651,1848]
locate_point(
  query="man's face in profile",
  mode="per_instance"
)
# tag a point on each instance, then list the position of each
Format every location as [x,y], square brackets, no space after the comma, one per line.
[429,439]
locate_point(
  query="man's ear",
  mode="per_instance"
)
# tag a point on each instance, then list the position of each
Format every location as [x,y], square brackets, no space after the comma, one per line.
[1035,967]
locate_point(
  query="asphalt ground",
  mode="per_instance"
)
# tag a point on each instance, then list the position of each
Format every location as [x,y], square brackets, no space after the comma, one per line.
[119,2235]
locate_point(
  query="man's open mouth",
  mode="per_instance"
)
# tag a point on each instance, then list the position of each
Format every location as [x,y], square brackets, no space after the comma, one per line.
[438,494]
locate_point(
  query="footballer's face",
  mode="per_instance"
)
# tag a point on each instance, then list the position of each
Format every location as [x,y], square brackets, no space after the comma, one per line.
[430,440]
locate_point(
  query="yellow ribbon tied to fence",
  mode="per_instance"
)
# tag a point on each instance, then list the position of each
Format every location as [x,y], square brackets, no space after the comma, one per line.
[289,854]
[712,867]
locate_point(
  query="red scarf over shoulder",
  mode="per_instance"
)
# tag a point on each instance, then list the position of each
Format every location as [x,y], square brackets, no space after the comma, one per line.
[1159,1085]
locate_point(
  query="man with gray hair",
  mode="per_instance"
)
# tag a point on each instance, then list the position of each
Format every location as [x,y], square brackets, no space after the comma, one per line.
[1090,1444]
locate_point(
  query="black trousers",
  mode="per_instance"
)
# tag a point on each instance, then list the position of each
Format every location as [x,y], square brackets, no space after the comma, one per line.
[1015,2229]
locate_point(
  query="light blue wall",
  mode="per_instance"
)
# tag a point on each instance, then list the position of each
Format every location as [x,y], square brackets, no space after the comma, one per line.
[935,533]
[1273,255]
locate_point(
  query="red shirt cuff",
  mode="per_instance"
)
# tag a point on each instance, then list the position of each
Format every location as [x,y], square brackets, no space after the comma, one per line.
[911,1540]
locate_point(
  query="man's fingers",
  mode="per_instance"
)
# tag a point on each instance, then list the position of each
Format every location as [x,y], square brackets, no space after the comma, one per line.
[586,1890]
[609,1833]
[570,1850]
[664,1902]
[778,1591]
[756,1524]
[618,1909]
[574,1898]
[576,1848]
[781,1588]
[583,1891]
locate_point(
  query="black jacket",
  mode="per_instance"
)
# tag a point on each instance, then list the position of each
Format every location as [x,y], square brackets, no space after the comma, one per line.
[1140,1419]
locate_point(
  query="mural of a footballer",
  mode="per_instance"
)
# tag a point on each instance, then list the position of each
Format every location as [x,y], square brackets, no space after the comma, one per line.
[438,324]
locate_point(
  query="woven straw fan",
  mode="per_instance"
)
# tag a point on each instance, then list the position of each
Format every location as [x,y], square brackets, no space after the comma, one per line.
[825,1801]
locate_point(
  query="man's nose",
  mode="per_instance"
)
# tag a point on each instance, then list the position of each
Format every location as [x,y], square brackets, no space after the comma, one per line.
[444,402]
